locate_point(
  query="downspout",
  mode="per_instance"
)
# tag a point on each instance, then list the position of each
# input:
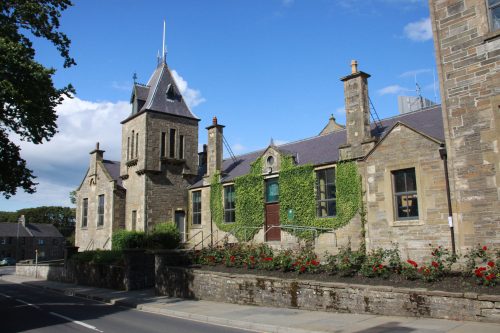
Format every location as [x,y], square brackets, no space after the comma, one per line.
[145,150]
[444,157]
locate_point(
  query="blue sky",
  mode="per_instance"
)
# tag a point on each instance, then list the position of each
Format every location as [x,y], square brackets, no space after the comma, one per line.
[265,68]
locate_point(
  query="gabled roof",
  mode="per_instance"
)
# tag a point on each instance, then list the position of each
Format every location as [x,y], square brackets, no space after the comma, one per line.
[140,91]
[29,230]
[113,168]
[43,230]
[324,149]
[157,99]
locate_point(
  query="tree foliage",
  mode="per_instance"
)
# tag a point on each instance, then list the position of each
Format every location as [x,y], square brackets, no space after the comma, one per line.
[27,94]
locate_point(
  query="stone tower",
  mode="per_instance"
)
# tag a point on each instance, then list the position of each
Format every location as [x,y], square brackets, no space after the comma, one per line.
[467,44]
[159,157]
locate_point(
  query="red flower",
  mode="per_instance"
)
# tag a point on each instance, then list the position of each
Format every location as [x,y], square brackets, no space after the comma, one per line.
[232,258]
[315,263]
[482,268]
[485,248]
[491,264]
[478,273]
[490,276]
[413,263]
[435,264]
[374,268]
[302,269]
[268,259]
[380,266]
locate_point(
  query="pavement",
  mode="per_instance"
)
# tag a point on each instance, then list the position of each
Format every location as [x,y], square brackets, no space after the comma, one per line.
[253,318]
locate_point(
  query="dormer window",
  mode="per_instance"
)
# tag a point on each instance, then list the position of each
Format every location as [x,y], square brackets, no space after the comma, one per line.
[172,94]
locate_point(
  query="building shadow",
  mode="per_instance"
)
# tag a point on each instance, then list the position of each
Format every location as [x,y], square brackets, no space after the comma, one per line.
[393,327]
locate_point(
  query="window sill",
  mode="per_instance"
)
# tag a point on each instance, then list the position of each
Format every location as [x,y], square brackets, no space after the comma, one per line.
[99,227]
[490,36]
[196,226]
[405,223]
[132,162]
[84,228]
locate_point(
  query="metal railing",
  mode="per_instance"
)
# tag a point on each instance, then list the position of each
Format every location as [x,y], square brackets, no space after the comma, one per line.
[246,229]
[90,245]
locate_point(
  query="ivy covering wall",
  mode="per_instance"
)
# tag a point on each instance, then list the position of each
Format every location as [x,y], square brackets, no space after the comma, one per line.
[249,191]
[297,193]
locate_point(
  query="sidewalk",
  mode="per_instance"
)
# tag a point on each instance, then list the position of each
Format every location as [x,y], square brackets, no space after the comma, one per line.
[262,319]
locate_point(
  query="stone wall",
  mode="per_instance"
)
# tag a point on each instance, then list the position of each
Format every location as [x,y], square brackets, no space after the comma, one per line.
[93,236]
[322,296]
[137,273]
[431,226]
[468,61]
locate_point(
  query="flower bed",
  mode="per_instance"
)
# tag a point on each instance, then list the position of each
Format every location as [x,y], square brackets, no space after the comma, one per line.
[479,272]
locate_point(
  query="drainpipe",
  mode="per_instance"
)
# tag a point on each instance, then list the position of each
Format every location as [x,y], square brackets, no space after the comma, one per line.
[444,157]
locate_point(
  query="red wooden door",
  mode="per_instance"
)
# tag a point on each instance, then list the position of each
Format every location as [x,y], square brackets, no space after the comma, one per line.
[273,219]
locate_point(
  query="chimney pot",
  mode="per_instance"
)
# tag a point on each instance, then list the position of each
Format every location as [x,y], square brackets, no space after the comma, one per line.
[354,66]
[97,146]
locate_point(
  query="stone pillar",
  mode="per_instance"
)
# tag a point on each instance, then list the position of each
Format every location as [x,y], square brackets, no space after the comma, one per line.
[357,107]
[215,150]
[139,269]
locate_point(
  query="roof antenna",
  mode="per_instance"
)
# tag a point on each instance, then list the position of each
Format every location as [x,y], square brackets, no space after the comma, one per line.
[164,50]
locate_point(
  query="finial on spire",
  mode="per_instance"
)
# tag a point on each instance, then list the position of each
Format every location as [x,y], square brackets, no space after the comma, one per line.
[272,142]
[134,77]
[164,49]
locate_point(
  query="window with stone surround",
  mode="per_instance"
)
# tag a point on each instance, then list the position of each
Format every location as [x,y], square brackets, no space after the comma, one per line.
[196,203]
[163,145]
[100,210]
[405,194]
[85,212]
[181,147]
[326,199]
[134,220]
[229,204]
[128,148]
[172,143]
[136,145]
[494,14]
[132,146]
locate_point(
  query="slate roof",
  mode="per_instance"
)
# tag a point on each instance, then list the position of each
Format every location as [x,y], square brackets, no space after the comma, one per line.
[113,168]
[154,93]
[43,230]
[30,230]
[324,149]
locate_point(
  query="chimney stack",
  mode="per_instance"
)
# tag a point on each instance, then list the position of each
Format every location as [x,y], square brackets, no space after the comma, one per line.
[357,107]
[215,150]
[96,155]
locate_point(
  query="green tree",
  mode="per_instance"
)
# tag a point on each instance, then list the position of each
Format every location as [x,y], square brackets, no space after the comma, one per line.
[27,94]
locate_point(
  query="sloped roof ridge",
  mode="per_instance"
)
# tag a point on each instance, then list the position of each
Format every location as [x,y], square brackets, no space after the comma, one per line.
[339,131]
[110,161]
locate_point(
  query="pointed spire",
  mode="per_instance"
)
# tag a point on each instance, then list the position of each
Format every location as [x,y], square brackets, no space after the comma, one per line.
[134,77]
[164,49]
[272,142]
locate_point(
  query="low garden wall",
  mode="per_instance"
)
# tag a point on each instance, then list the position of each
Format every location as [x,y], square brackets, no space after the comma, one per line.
[323,296]
[137,272]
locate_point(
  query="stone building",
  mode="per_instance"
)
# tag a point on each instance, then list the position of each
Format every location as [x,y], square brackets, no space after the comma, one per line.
[364,184]
[402,177]
[159,160]
[467,44]
[21,240]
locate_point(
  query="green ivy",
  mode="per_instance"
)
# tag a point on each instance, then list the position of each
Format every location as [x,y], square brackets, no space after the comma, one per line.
[297,193]
[249,191]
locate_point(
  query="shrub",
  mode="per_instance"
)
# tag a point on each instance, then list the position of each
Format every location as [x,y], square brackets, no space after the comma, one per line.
[164,236]
[283,260]
[409,270]
[481,264]
[346,263]
[124,239]
[105,257]
[373,265]
[306,261]
[209,256]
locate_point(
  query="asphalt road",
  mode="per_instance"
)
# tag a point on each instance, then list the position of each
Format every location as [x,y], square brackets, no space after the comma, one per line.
[29,309]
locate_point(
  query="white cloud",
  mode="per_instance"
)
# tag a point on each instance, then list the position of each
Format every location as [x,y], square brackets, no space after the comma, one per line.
[419,31]
[191,96]
[60,164]
[394,89]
